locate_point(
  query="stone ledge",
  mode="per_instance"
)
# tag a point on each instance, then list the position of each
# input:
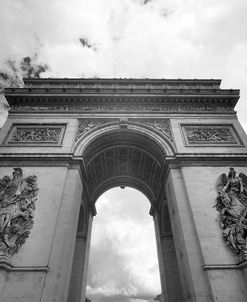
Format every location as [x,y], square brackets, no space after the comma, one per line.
[241,265]
[9,268]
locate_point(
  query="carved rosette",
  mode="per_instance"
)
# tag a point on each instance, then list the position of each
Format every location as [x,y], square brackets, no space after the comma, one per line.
[231,203]
[17,206]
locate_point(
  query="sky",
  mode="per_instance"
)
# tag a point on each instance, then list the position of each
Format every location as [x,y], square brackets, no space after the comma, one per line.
[126,39]
[129,38]
[123,263]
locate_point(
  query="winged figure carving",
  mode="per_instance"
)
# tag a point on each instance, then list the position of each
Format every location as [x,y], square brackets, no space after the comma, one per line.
[231,203]
[17,204]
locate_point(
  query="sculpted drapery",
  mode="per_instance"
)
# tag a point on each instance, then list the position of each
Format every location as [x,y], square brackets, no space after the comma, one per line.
[231,203]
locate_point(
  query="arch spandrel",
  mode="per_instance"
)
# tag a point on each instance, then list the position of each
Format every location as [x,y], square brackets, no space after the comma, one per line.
[123,153]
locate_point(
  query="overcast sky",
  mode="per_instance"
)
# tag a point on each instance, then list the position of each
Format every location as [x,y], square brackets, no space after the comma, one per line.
[130,38]
[127,38]
[123,262]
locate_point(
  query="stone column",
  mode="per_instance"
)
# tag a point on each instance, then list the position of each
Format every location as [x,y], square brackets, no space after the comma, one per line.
[170,278]
[56,286]
[78,280]
[195,283]
[208,268]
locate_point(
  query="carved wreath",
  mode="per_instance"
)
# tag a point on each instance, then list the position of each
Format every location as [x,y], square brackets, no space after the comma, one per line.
[17,205]
[231,203]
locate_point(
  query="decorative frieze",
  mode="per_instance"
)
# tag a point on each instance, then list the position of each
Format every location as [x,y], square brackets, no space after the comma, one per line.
[127,107]
[231,203]
[17,206]
[36,134]
[210,135]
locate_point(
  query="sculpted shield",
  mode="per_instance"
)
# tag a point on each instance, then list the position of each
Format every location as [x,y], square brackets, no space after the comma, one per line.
[17,205]
[231,203]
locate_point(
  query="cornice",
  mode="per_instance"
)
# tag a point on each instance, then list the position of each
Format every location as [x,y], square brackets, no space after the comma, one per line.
[122,103]
[115,91]
[37,81]
[122,95]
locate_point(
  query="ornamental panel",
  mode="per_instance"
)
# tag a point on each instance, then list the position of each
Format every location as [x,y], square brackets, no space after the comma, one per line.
[36,134]
[199,135]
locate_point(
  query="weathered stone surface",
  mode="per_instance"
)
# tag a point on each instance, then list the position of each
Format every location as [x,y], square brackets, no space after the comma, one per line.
[169,139]
[17,206]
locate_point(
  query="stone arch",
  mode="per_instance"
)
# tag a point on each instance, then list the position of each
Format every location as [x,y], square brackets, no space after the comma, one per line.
[123,153]
[126,153]
[159,136]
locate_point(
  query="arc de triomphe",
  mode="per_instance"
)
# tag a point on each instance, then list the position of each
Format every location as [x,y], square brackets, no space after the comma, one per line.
[66,141]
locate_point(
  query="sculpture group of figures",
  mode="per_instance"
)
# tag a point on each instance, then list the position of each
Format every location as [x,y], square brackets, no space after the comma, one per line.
[17,204]
[231,203]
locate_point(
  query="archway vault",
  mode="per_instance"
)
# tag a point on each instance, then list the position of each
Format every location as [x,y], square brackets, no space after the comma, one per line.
[123,154]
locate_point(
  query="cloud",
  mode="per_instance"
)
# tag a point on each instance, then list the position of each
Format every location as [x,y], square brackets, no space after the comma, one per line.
[131,38]
[123,236]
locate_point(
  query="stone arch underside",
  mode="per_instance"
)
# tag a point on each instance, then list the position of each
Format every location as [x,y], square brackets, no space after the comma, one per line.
[123,158]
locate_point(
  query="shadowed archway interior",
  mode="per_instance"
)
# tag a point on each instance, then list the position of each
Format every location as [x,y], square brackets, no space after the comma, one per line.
[123,158]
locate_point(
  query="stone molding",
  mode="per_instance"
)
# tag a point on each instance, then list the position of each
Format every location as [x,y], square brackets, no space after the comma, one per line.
[206,267]
[69,160]
[116,83]
[122,95]
[10,268]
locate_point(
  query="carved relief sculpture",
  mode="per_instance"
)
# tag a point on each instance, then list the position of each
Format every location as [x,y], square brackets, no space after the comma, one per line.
[84,126]
[161,125]
[210,134]
[17,205]
[231,203]
[94,107]
[38,134]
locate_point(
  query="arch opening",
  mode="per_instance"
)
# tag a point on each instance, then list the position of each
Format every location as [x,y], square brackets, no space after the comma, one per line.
[118,156]
[123,263]
[123,157]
